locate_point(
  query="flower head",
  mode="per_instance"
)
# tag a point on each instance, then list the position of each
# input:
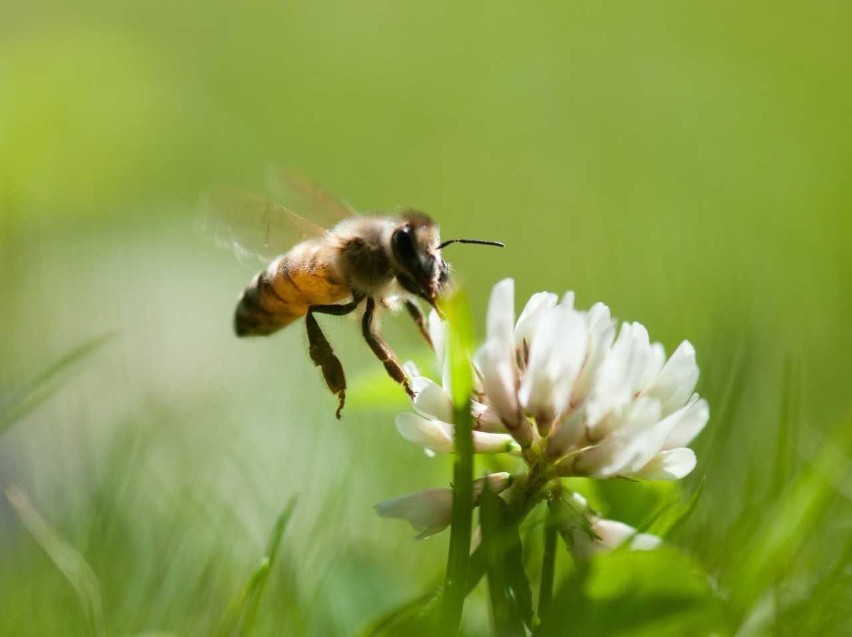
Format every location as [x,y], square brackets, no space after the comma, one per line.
[595,404]
[573,395]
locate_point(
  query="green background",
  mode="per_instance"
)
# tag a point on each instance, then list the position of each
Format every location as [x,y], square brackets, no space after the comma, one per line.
[686,163]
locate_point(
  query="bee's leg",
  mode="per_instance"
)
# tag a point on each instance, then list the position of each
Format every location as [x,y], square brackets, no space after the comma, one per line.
[415,313]
[381,349]
[321,353]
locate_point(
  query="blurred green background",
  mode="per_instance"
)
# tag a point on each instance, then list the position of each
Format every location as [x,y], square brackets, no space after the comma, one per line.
[686,163]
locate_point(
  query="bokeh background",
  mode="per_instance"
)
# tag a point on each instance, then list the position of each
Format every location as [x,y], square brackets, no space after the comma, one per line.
[686,163]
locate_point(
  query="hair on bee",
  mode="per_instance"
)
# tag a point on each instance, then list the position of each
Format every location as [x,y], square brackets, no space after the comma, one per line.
[416,218]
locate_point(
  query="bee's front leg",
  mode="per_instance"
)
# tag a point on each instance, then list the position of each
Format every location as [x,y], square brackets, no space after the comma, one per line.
[323,355]
[416,313]
[382,350]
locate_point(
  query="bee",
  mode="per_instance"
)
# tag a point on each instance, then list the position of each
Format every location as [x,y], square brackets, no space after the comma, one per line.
[341,260]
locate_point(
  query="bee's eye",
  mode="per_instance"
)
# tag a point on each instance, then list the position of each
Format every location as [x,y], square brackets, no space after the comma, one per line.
[443,273]
[403,246]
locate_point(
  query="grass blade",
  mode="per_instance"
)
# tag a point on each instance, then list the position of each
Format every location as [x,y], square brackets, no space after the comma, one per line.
[673,514]
[409,618]
[792,520]
[789,422]
[66,558]
[37,390]
[241,616]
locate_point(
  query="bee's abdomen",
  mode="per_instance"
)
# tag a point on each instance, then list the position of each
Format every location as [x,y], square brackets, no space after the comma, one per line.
[283,293]
[262,310]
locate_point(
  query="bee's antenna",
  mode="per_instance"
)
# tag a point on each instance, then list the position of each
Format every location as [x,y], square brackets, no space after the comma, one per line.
[481,242]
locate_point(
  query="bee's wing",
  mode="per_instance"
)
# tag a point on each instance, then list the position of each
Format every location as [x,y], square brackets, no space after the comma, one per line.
[252,225]
[306,196]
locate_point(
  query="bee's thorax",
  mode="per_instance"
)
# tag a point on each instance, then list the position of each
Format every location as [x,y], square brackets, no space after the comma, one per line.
[364,259]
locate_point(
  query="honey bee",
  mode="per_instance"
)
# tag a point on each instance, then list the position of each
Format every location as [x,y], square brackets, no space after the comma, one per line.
[341,260]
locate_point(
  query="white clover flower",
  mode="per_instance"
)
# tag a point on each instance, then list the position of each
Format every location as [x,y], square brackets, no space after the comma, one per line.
[430,511]
[595,404]
[598,405]
[571,394]
[588,534]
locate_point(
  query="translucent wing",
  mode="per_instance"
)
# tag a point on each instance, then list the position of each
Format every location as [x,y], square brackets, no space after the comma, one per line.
[309,198]
[252,225]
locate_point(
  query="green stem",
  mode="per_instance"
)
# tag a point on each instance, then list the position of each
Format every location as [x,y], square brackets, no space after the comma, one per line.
[460,532]
[455,587]
[548,565]
[528,489]
[521,504]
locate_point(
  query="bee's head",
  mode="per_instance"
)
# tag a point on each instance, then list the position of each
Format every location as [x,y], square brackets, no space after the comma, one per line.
[416,253]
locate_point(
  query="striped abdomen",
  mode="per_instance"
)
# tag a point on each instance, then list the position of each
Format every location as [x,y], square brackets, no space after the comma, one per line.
[285,290]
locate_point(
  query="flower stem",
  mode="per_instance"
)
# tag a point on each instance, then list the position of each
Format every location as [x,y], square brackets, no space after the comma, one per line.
[548,565]
[529,489]
[455,589]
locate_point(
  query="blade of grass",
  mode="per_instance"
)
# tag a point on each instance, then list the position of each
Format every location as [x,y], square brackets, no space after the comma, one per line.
[66,558]
[673,514]
[241,616]
[784,465]
[433,600]
[403,619]
[791,520]
[731,392]
[272,547]
[789,420]
[460,339]
[38,389]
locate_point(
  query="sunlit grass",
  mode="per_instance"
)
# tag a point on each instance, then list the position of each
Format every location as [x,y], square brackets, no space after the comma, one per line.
[189,580]
[686,163]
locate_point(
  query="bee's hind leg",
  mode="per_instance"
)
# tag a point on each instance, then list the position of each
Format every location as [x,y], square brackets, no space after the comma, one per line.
[323,355]
[382,350]
[416,313]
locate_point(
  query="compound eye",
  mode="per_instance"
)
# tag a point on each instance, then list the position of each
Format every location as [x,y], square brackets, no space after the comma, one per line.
[403,246]
[443,273]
